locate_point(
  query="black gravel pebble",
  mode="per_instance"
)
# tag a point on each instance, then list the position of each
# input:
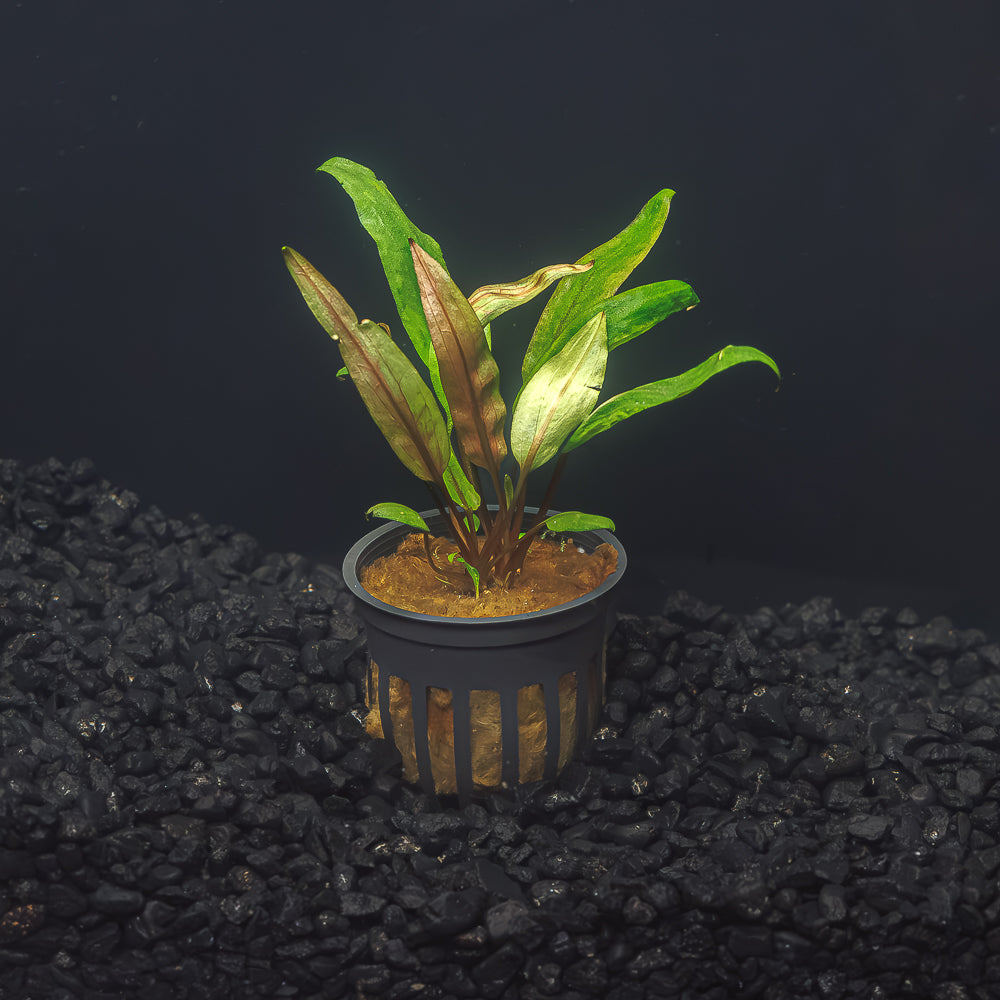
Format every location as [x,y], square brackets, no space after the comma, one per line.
[782,804]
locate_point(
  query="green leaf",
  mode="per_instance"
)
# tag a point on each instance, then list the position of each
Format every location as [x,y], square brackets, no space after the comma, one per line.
[577,297]
[637,310]
[454,557]
[574,520]
[398,512]
[459,488]
[469,374]
[396,396]
[324,301]
[634,401]
[559,396]
[491,301]
[387,224]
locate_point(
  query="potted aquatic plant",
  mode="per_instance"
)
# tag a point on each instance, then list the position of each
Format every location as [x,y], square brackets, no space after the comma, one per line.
[487,618]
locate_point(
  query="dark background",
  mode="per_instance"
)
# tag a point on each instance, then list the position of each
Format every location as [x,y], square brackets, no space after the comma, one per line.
[836,169]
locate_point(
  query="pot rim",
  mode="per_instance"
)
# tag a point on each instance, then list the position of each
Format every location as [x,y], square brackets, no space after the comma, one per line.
[355,553]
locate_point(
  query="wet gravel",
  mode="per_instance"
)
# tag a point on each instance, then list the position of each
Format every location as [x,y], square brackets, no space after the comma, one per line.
[781,804]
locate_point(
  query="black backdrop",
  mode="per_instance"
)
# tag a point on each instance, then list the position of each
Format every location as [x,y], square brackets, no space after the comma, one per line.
[836,170]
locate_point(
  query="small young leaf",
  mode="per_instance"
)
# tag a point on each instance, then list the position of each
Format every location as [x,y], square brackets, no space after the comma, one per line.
[634,401]
[559,396]
[577,296]
[454,557]
[491,301]
[574,520]
[398,512]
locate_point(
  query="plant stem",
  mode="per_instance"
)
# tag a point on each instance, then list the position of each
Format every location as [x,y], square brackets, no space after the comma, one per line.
[485,518]
[543,508]
[460,534]
[516,560]
[436,499]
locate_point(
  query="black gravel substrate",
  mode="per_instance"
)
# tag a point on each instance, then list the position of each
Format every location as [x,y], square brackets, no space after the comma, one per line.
[781,804]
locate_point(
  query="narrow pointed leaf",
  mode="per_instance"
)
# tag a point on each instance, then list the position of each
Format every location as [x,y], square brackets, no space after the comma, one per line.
[469,375]
[491,301]
[387,224]
[632,313]
[459,488]
[324,301]
[634,401]
[577,296]
[398,512]
[559,396]
[398,400]
[396,396]
[574,520]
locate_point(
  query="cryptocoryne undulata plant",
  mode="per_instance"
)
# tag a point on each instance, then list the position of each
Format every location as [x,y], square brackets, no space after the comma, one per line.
[451,433]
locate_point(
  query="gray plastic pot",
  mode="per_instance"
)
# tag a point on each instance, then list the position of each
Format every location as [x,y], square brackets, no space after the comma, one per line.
[421,658]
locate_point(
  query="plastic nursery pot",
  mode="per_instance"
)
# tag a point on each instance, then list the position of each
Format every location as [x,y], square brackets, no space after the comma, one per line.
[476,704]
